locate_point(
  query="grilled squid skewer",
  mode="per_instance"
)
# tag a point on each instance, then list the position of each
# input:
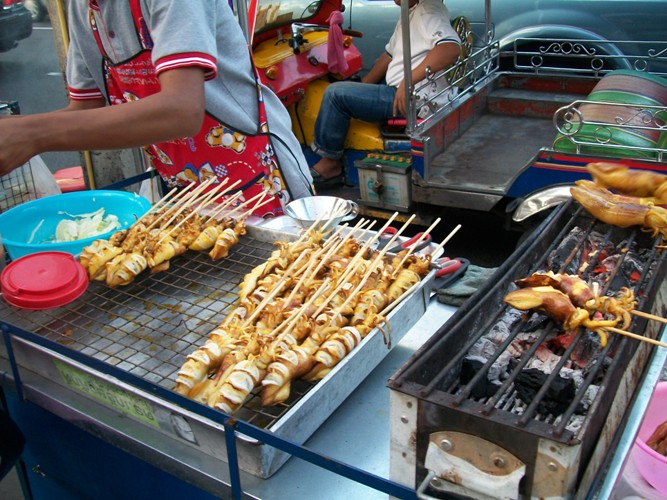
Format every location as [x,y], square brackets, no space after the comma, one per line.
[95,256]
[123,268]
[559,307]
[609,209]
[226,240]
[334,349]
[625,180]
[206,239]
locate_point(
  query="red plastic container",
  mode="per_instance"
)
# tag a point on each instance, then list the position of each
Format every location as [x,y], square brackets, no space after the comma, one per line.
[43,280]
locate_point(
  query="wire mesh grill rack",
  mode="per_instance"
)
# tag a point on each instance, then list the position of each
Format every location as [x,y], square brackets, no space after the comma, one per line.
[17,187]
[148,327]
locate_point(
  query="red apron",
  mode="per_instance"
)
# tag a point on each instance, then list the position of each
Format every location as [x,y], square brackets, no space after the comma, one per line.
[216,151]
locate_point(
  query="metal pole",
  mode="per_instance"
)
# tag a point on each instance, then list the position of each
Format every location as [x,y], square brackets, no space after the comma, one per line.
[59,8]
[487,22]
[407,65]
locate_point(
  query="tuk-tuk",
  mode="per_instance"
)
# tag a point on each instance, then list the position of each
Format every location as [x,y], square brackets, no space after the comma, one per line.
[518,131]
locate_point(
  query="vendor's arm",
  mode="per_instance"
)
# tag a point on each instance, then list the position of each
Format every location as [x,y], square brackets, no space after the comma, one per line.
[176,111]
[442,56]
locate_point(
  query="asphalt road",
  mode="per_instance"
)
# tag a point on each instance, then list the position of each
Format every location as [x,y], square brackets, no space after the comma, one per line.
[30,74]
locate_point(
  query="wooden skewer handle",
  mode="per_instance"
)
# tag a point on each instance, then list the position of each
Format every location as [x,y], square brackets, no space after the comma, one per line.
[648,316]
[636,337]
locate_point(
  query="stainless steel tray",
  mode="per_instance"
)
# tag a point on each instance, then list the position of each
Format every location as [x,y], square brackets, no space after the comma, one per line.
[148,327]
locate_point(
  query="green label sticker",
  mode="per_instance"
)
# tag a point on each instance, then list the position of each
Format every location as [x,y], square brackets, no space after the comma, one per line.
[107,393]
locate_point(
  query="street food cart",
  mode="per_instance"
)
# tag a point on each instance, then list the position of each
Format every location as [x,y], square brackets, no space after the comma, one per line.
[91,382]
[90,385]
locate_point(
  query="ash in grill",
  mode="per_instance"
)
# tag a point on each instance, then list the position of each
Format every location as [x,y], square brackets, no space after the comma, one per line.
[517,379]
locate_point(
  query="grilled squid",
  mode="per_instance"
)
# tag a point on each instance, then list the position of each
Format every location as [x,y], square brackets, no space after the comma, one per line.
[245,376]
[164,251]
[609,208]
[226,240]
[548,300]
[578,290]
[334,349]
[208,357]
[123,268]
[206,239]
[634,182]
[404,280]
[288,366]
[95,256]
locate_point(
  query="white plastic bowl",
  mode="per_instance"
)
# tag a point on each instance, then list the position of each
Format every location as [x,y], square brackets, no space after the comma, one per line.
[36,221]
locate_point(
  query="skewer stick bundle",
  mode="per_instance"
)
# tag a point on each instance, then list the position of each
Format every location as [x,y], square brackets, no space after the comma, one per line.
[186,202]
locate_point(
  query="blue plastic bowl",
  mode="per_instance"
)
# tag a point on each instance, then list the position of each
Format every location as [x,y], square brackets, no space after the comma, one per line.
[18,224]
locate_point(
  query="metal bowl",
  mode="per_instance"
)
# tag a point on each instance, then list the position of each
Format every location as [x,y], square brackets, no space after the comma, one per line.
[327,211]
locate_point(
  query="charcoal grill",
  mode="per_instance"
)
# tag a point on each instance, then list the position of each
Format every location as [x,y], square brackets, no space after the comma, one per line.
[454,431]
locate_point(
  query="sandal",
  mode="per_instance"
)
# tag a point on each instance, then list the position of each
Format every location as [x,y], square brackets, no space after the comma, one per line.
[326,182]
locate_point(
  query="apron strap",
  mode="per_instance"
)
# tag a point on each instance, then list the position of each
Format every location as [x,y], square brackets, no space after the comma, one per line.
[140,25]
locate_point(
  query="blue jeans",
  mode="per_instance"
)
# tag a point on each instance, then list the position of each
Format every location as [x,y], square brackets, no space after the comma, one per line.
[343,101]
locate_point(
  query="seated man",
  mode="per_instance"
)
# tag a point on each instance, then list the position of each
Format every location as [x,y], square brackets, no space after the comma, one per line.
[435,46]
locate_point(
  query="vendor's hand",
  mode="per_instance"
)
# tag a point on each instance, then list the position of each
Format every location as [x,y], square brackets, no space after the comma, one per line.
[16,147]
[399,101]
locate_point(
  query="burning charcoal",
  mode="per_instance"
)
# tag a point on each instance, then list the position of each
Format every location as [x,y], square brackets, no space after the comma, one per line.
[488,344]
[545,360]
[559,394]
[629,273]
[484,388]
[561,255]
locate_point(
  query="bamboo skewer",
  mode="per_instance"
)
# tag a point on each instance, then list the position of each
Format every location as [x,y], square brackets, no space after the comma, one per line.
[276,289]
[414,245]
[441,245]
[224,205]
[183,197]
[258,197]
[648,316]
[157,204]
[186,201]
[635,336]
[210,197]
[163,201]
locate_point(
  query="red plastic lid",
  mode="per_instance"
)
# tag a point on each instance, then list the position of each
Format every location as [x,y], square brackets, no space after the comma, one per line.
[43,280]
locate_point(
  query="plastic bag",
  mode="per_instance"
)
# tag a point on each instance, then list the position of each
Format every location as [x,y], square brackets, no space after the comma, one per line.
[28,182]
[150,188]
[44,181]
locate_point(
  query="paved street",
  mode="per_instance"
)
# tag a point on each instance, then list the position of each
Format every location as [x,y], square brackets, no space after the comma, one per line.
[30,74]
